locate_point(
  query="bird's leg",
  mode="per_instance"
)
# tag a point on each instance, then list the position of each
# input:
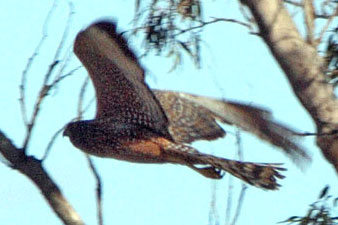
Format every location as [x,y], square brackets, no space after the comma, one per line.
[208,171]
[262,175]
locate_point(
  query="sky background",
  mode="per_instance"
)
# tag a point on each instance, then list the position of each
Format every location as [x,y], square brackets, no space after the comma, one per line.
[235,66]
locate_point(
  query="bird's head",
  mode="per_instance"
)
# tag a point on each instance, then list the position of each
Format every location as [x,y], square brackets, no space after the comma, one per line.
[81,134]
[69,128]
[77,128]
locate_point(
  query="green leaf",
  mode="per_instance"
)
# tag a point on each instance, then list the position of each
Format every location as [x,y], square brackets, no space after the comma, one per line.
[324,192]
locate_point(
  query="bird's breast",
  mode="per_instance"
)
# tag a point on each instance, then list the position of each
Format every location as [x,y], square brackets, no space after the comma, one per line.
[146,147]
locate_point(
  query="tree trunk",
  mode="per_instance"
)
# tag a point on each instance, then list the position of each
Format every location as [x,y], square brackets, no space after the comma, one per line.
[304,69]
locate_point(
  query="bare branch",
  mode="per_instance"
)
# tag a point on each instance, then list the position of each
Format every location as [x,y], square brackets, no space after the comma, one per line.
[333,132]
[42,94]
[239,204]
[64,63]
[239,145]
[244,186]
[298,4]
[33,169]
[215,20]
[63,38]
[229,200]
[56,134]
[60,78]
[90,163]
[51,143]
[45,88]
[23,81]
[29,64]
[98,189]
[326,26]
[309,16]
[213,214]
[83,89]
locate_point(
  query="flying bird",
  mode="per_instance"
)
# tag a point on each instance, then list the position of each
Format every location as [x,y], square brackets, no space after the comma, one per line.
[137,124]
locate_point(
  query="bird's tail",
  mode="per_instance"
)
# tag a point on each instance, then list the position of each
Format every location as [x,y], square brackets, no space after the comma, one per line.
[262,175]
[255,120]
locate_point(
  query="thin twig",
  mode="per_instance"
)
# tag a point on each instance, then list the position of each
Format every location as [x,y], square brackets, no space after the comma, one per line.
[241,196]
[45,88]
[215,20]
[29,64]
[62,43]
[229,201]
[23,81]
[64,63]
[334,132]
[42,94]
[301,5]
[294,3]
[239,145]
[91,165]
[326,26]
[244,186]
[239,204]
[247,16]
[309,17]
[51,143]
[80,109]
[52,140]
[60,78]
[88,105]
[213,214]
[98,190]
[83,89]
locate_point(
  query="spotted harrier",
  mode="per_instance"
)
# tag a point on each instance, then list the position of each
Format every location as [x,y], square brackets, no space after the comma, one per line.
[142,125]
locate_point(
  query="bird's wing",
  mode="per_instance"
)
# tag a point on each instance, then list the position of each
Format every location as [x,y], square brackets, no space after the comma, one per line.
[193,117]
[188,121]
[118,78]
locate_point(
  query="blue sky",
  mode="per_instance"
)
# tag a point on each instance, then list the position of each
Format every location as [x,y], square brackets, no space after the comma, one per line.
[235,65]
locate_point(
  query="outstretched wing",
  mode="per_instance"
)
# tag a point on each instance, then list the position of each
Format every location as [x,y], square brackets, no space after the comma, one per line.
[193,117]
[188,121]
[118,78]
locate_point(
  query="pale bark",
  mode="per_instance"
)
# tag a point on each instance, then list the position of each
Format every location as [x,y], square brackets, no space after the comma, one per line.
[304,69]
[34,170]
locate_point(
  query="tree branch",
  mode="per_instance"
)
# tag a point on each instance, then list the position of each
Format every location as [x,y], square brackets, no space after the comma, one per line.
[294,3]
[214,20]
[29,64]
[98,190]
[309,17]
[244,186]
[33,169]
[45,87]
[328,22]
[213,213]
[303,67]
[92,168]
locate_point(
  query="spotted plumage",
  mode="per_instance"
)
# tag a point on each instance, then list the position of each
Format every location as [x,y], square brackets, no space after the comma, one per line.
[137,124]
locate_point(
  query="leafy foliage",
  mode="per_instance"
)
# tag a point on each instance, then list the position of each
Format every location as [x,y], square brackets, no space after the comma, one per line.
[331,57]
[319,213]
[169,28]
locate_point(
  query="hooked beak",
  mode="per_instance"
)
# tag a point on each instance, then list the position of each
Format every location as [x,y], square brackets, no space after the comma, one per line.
[66,132]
